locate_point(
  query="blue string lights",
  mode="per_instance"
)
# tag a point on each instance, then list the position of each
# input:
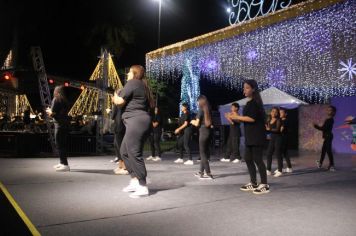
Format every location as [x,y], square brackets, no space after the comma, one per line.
[190,88]
[311,56]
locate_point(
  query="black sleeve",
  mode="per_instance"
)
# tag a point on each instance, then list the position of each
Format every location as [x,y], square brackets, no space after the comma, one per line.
[200,115]
[114,111]
[56,107]
[159,119]
[127,92]
[277,129]
[253,111]
[328,125]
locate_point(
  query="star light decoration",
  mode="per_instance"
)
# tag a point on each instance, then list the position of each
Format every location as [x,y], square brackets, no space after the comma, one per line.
[348,68]
[308,48]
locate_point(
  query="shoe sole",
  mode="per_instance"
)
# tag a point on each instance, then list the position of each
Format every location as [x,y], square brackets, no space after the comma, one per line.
[247,190]
[62,170]
[129,191]
[260,193]
[139,196]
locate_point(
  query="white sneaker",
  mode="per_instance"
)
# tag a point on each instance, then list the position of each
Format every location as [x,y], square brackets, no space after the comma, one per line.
[157,159]
[114,160]
[277,174]
[189,162]
[63,168]
[133,185]
[57,166]
[179,160]
[224,160]
[120,171]
[288,170]
[275,171]
[150,158]
[236,161]
[268,172]
[141,191]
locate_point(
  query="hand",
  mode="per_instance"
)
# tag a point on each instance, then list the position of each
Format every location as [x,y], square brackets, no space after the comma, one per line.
[48,111]
[349,118]
[227,115]
[176,131]
[267,127]
[115,99]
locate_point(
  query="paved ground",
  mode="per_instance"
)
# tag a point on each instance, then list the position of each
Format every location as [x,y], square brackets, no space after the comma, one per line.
[89,201]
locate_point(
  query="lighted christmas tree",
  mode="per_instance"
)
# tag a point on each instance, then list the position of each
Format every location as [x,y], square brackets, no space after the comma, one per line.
[88,100]
[21,103]
[190,88]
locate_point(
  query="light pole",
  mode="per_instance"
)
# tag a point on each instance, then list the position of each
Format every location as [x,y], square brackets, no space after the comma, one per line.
[159,22]
[158,37]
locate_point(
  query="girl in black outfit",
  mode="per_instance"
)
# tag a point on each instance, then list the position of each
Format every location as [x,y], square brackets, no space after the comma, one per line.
[233,141]
[204,122]
[255,137]
[155,136]
[184,133]
[59,111]
[327,128]
[284,133]
[273,126]
[119,133]
[135,100]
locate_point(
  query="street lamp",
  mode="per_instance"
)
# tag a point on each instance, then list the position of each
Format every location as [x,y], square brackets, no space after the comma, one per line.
[159,22]
[158,37]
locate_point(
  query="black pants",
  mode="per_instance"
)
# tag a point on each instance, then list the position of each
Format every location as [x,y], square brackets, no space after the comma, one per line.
[233,147]
[285,151]
[275,146]
[183,142]
[118,137]
[204,149]
[155,139]
[132,146]
[60,138]
[253,155]
[327,149]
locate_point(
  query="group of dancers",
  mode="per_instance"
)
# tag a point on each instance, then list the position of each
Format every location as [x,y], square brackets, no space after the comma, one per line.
[133,123]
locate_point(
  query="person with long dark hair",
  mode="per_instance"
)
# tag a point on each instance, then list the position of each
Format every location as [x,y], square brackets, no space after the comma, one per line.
[59,112]
[119,133]
[136,100]
[328,136]
[285,136]
[273,126]
[232,153]
[204,122]
[184,133]
[255,136]
[155,136]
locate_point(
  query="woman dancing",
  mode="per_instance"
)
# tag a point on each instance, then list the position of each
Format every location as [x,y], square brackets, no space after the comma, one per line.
[135,100]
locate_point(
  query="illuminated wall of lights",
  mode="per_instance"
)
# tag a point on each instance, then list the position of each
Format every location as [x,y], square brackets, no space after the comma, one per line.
[311,56]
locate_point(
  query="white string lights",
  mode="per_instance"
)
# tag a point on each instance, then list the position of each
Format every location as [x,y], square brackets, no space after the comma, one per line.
[300,56]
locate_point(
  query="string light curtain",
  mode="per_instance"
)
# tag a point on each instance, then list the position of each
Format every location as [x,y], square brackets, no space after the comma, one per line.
[307,50]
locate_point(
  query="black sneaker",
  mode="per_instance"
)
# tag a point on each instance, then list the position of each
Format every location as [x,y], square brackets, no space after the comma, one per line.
[261,189]
[249,187]
[318,164]
[207,177]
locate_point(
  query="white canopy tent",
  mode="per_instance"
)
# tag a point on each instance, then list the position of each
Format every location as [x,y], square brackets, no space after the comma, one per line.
[270,97]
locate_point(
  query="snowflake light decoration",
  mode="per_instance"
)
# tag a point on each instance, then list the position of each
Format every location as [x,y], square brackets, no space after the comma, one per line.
[348,68]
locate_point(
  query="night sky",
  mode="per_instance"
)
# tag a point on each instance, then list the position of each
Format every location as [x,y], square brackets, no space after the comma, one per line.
[71,33]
